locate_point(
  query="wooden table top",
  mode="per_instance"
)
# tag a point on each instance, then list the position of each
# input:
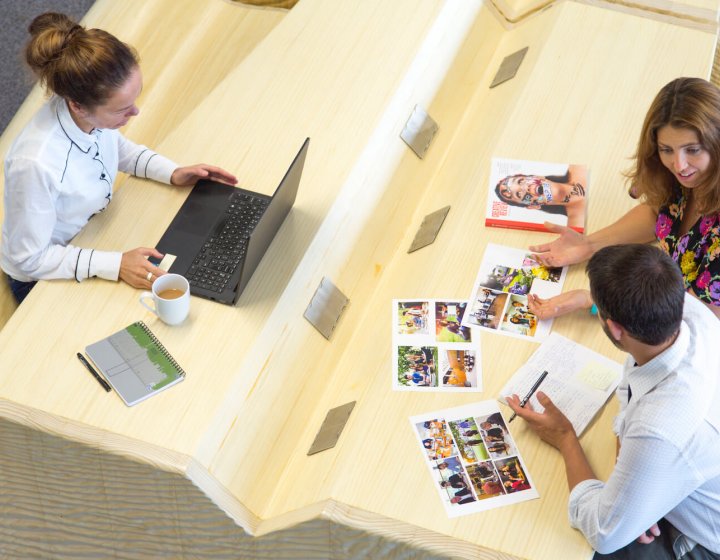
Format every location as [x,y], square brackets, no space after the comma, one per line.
[260,378]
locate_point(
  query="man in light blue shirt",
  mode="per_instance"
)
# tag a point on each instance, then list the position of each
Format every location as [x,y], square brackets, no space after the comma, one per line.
[662,500]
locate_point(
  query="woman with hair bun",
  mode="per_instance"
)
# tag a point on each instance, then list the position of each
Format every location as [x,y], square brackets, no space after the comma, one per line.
[60,170]
[677,175]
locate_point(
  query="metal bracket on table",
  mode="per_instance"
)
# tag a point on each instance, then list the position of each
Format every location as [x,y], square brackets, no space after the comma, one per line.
[509,67]
[331,428]
[419,131]
[325,307]
[429,229]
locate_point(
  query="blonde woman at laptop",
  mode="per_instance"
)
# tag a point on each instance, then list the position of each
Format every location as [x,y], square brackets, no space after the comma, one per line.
[59,171]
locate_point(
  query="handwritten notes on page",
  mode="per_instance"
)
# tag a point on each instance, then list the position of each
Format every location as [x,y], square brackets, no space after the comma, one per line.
[579,380]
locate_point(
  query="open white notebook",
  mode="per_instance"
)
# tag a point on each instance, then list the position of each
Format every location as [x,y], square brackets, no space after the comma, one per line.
[579,380]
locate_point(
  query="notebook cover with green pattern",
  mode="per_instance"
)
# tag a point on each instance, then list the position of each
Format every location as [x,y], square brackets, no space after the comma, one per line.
[135,363]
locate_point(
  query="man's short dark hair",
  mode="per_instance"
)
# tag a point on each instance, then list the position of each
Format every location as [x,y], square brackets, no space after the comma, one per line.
[640,288]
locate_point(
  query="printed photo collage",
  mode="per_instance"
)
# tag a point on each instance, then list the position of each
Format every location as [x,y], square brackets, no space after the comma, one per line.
[499,300]
[472,458]
[432,350]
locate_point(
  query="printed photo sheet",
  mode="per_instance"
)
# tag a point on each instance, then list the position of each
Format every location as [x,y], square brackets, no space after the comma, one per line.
[579,380]
[432,350]
[499,300]
[472,458]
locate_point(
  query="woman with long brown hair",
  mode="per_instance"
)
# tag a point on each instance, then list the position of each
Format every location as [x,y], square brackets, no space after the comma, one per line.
[677,177]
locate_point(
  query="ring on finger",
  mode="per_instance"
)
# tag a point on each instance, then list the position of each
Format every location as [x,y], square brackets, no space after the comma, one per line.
[149,276]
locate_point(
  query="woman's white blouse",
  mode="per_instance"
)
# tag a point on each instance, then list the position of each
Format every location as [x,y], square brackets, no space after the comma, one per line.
[56,178]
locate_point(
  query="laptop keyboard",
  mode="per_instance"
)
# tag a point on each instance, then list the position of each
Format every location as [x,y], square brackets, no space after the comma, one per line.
[224,251]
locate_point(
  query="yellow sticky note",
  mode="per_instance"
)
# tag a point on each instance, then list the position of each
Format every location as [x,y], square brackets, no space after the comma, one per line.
[597,376]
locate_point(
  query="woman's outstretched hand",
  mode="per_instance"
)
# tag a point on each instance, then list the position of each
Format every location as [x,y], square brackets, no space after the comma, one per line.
[570,248]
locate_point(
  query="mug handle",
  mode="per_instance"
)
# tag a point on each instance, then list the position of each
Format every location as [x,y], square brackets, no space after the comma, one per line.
[148,295]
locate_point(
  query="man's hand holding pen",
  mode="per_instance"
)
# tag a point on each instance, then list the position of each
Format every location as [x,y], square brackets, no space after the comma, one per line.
[531,392]
[552,425]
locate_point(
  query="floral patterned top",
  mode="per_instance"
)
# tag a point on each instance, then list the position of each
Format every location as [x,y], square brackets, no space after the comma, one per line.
[697,252]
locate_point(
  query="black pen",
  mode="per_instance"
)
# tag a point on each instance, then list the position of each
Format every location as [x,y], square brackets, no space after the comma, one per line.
[95,374]
[526,398]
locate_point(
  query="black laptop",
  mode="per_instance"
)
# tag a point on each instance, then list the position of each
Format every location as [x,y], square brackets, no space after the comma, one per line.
[220,233]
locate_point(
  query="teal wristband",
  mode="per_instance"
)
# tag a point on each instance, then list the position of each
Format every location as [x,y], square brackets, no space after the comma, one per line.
[593,309]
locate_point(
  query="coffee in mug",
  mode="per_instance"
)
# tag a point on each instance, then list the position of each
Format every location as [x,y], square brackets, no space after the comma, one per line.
[171,298]
[171,293]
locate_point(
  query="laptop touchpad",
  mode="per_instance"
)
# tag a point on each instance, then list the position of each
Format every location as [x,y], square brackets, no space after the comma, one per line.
[195,219]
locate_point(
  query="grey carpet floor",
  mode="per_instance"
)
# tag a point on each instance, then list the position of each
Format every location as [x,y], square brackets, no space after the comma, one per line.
[16,80]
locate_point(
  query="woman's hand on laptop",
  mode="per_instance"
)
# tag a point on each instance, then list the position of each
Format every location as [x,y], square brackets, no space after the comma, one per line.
[189,175]
[137,270]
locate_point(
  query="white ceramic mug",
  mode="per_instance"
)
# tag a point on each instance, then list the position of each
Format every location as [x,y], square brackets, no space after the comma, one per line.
[171,298]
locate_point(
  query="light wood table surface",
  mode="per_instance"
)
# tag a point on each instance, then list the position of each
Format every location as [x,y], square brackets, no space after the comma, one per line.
[696,14]
[217,466]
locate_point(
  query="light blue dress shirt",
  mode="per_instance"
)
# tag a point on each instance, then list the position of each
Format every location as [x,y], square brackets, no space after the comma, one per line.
[669,462]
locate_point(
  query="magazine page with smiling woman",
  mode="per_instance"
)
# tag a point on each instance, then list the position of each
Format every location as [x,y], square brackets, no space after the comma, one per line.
[525,194]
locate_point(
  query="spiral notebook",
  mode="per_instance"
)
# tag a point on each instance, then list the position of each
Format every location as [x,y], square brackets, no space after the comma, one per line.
[135,363]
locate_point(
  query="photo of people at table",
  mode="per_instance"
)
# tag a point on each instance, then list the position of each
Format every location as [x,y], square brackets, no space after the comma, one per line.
[413,317]
[436,439]
[473,458]
[432,350]
[457,368]
[499,299]
[485,480]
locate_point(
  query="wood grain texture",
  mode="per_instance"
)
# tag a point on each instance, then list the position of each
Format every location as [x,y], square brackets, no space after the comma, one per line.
[578,100]
[260,159]
[701,15]
[582,120]
[696,14]
[284,4]
[231,440]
